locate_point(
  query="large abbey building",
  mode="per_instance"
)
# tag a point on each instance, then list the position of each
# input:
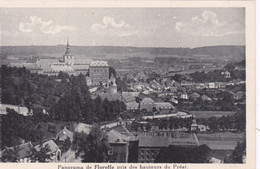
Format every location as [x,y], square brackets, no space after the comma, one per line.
[68,58]
[68,63]
[98,70]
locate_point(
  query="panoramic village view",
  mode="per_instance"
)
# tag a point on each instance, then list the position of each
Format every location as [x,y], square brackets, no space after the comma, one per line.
[114,103]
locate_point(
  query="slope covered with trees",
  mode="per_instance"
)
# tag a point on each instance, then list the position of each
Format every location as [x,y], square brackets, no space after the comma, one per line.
[68,100]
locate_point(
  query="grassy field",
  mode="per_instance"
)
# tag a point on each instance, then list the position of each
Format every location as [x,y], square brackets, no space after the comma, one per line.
[208,114]
[221,140]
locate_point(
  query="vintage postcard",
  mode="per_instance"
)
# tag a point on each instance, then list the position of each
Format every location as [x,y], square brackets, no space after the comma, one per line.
[127,84]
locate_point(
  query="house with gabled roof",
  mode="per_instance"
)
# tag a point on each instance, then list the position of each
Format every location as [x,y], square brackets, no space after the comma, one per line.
[21,153]
[122,147]
[194,96]
[54,150]
[205,98]
[132,105]
[147,104]
[64,134]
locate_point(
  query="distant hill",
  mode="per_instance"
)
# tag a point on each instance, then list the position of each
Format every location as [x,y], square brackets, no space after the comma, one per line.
[219,51]
[212,51]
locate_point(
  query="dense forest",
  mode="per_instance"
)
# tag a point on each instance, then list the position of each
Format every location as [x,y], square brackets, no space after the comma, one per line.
[66,100]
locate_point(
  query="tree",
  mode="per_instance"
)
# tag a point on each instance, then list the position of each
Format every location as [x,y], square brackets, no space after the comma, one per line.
[238,154]
[213,124]
[92,147]
[134,126]
[15,126]
[148,126]
[42,155]
[112,71]
[11,155]
[64,145]
[63,76]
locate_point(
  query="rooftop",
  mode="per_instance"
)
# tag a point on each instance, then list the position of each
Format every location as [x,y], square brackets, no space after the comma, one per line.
[22,150]
[153,141]
[184,139]
[128,97]
[147,100]
[66,132]
[132,105]
[116,137]
[99,63]
[51,145]
[163,104]
[111,97]
[84,61]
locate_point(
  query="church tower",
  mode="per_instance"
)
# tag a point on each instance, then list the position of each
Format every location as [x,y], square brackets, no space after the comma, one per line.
[68,58]
[112,86]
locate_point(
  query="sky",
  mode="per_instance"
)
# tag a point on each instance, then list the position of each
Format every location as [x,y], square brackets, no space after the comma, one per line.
[138,27]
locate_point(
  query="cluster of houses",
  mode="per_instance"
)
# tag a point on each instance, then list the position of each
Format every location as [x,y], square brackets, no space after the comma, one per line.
[124,146]
[23,152]
[162,93]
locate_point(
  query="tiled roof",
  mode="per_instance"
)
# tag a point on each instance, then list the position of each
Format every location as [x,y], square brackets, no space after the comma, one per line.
[111,97]
[99,63]
[47,60]
[183,139]
[147,100]
[116,137]
[153,141]
[132,105]
[124,131]
[66,132]
[195,94]
[22,150]
[51,145]
[128,97]
[83,61]
[163,104]
[63,68]
[80,67]
[205,97]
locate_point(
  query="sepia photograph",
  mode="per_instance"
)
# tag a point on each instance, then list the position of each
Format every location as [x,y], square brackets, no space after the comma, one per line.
[123,85]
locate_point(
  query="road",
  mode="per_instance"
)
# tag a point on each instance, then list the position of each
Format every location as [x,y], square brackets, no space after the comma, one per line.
[69,157]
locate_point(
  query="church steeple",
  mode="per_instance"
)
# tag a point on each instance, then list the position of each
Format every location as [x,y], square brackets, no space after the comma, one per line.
[68,47]
[68,58]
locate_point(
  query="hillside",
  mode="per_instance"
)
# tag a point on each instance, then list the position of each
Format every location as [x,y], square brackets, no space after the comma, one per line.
[102,51]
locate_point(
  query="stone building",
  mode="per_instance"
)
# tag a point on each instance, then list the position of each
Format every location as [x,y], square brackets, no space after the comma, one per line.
[147,104]
[99,72]
[149,147]
[122,147]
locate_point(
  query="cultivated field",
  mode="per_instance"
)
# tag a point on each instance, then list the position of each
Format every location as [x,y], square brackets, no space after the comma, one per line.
[208,114]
